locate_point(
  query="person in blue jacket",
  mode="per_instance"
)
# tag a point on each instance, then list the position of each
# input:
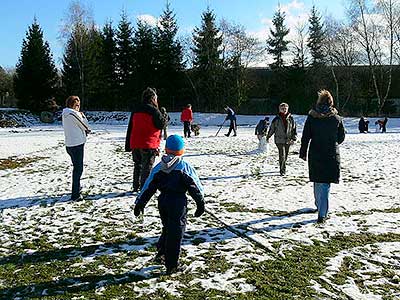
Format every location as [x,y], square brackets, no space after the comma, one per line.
[173,177]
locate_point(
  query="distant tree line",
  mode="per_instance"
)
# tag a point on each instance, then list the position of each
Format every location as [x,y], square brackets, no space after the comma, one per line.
[357,59]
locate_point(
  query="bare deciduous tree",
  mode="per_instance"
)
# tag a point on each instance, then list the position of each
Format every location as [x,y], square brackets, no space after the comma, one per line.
[76,27]
[188,59]
[374,24]
[240,50]
[341,51]
[298,45]
[238,43]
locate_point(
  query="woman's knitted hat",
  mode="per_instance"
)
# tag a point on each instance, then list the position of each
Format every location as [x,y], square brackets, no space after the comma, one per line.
[174,145]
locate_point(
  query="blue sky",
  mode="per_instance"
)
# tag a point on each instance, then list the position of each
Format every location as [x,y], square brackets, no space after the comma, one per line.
[255,15]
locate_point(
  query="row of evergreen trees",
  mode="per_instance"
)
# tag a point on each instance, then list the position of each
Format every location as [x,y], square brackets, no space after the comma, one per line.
[109,67]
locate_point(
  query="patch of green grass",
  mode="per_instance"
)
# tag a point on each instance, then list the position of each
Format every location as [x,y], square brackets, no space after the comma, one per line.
[394,210]
[84,206]
[256,172]
[216,262]
[15,162]
[236,207]
[56,271]
[198,241]
[346,270]
[38,244]
[119,149]
[289,277]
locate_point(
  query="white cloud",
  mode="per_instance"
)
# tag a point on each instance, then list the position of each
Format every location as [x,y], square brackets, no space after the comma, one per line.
[292,6]
[148,19]
[296,13]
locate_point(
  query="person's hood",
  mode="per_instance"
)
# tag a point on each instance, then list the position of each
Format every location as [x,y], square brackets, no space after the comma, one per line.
[169,162]
[68,110]
[323,111]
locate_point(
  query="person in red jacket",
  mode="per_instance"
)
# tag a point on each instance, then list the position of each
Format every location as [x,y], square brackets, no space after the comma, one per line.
[143,136]
[187,118]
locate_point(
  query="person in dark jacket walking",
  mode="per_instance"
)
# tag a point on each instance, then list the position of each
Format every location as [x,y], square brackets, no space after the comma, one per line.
[283,127]
[173,177]
[231,116]
[363,125]
[143,136]
[166,120]
[187,119]
[324,128]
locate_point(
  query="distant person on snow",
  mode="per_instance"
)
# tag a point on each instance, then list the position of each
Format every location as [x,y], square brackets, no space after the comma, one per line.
[385,120]
[76,128]
[363,125]
[231,116]
[382,124]
[261,132]
[324,128]
[166,120]
[143,136]
[173,177]
[283,127]
[366,125]
[377,126]
[187,119]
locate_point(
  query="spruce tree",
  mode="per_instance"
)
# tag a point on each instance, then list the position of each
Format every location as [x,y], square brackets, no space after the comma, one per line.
[316,38]
[125,61]
[208,64]
[77,30]
[144,54]
[276,44]
[76,71]
[168,58]
[6,83]
[36,75]
[95,79]
[71,70]
[109,67]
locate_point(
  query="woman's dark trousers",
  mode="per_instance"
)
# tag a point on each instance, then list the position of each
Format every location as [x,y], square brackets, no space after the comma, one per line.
[76,154]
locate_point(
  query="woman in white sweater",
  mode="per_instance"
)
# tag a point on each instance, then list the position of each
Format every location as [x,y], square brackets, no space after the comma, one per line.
[76,127]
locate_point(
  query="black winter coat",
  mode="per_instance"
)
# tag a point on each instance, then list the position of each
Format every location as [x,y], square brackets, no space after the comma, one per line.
[326,132]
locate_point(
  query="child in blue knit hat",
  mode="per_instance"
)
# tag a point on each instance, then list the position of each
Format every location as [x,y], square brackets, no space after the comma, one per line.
[173,177]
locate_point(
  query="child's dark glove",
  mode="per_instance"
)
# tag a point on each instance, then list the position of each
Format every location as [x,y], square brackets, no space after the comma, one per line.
[139,208]
[200,210]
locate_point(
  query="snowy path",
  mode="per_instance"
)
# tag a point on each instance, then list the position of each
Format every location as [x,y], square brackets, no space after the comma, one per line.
[99,245]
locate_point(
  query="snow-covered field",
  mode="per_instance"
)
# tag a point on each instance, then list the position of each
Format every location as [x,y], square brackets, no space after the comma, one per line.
[258,238]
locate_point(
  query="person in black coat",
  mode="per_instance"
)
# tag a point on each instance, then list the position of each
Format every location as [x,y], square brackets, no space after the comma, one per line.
[324,131]
[173,177]
[361,125]
[385,120]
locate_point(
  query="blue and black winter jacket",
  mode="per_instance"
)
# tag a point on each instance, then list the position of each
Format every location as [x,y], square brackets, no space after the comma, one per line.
[173,177]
